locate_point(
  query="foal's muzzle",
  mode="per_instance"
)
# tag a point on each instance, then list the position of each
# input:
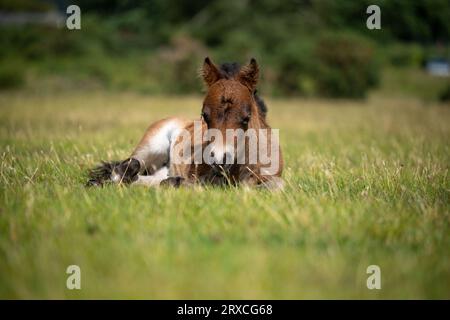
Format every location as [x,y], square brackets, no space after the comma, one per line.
[221,165]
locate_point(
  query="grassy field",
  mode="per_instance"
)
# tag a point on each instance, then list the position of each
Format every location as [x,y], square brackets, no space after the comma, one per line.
[367,183]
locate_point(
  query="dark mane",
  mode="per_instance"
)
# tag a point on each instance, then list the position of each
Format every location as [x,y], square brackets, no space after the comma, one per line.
[230,70]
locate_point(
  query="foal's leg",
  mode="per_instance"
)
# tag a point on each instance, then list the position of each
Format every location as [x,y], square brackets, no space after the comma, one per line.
[153,180]
[153,151]
[269,182]
[151,154]
[272,183]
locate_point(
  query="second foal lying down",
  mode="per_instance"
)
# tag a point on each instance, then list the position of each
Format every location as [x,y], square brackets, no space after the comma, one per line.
[231,143]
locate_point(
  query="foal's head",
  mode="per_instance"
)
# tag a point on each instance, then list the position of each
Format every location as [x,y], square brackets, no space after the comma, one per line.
[230,101]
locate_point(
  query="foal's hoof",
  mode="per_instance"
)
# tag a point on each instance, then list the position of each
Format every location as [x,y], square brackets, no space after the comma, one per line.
[173,182]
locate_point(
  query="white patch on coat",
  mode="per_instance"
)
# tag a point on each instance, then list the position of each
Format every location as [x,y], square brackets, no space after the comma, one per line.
[153,180]
[115,177]
[156,151]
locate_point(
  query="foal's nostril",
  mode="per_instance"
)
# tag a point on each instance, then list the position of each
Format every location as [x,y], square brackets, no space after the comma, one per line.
[221,159]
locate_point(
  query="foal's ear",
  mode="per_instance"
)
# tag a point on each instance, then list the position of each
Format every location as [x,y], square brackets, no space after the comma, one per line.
[209,72]
[249,75]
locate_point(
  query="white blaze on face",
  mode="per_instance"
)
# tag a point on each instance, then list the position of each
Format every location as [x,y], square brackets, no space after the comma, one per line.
[217,151]
[222,153]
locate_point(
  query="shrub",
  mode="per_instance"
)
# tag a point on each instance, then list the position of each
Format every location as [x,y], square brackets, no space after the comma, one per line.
[24,5]
[346,66]
[175,66]
[295,64]
[445,94]
[12,75]
[402,55]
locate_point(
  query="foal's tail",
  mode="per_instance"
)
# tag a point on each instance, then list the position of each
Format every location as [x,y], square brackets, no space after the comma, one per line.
[101,174]
[125,171]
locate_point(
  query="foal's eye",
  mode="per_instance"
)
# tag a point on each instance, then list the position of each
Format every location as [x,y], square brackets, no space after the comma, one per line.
[205,117]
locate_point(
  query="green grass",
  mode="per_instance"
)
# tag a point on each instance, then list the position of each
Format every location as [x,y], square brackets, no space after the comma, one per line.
[366,183]
[411,82]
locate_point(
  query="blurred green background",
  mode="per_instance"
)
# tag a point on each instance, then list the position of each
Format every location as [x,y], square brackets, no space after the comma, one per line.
[309,48]
[366,179]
